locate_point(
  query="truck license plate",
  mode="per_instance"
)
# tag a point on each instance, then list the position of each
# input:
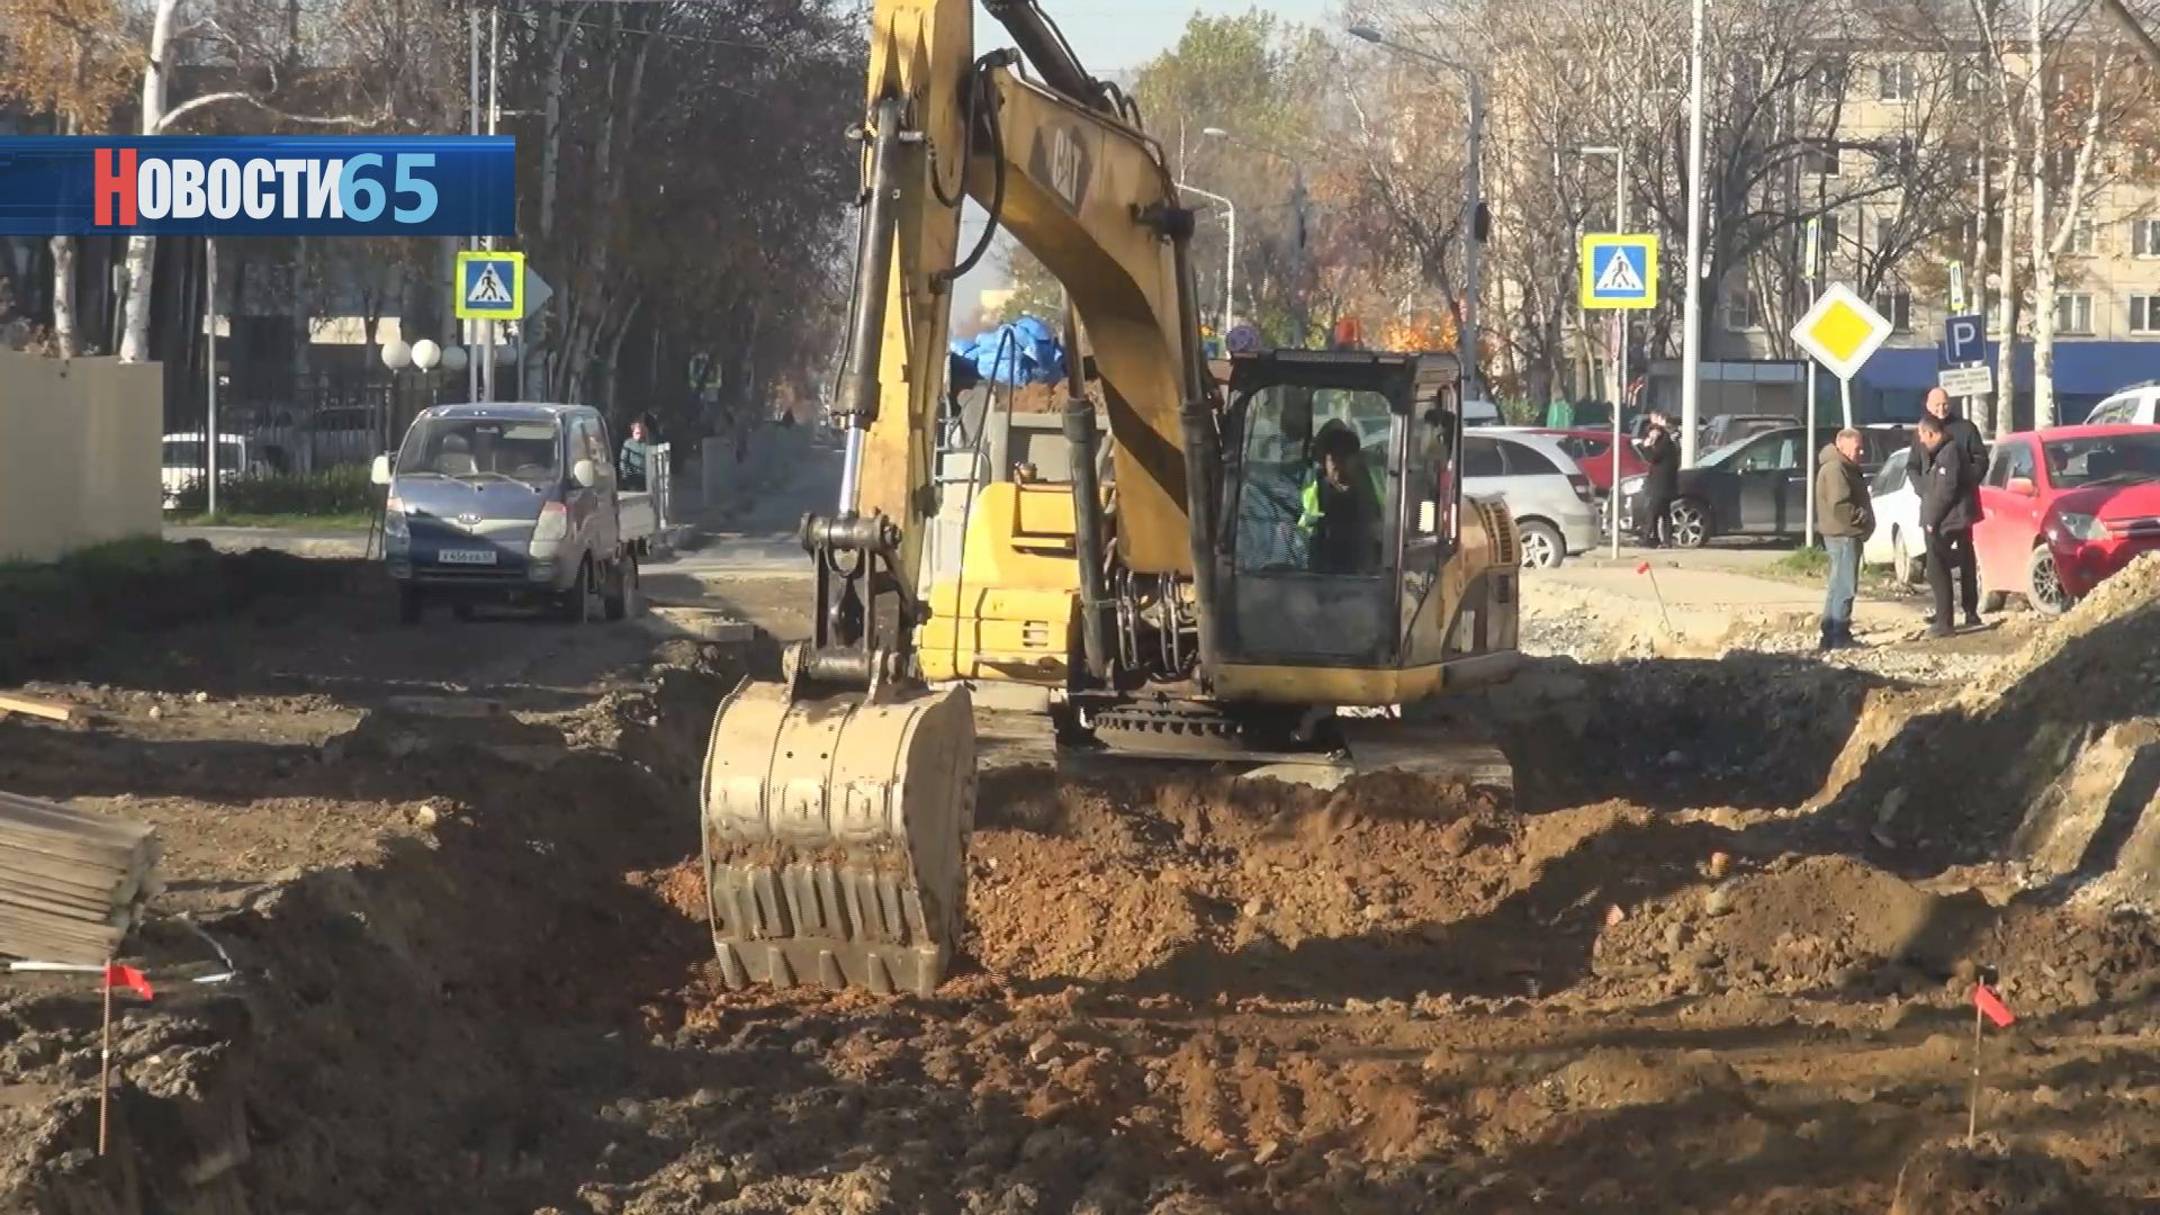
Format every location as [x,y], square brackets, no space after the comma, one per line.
[466,556]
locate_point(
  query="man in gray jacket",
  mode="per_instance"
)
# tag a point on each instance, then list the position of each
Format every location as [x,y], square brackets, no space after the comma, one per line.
[1847,518]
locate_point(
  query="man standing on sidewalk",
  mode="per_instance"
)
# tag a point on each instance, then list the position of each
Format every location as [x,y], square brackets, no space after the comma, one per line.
[1949,506]
[1964,444]
[1848,518]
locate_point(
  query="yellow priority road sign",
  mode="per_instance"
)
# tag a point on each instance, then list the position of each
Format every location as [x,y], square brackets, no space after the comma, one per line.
[490,286]
[1619,270]
[1841,331]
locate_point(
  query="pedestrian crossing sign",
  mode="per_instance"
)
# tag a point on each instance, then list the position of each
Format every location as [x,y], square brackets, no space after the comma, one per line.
[1619,270]
[491,286]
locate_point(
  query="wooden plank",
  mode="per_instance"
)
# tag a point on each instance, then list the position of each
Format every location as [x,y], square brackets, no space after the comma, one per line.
[54,816]
[29,706]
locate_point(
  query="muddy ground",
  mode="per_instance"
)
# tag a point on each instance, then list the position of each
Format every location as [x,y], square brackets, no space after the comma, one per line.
[1716,956]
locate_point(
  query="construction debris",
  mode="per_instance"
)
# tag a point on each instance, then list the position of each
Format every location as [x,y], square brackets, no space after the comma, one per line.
[71,883]
[30,707]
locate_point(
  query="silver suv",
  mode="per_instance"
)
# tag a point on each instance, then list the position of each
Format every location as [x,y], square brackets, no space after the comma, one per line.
[1542,486]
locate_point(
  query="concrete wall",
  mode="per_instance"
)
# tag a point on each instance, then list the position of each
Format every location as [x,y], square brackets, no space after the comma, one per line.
[80,449]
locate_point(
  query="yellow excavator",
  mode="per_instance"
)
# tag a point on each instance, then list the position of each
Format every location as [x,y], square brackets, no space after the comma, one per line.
[1277,561]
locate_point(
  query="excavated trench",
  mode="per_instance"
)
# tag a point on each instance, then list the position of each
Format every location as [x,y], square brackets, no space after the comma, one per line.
[1714,959]
[427,1032]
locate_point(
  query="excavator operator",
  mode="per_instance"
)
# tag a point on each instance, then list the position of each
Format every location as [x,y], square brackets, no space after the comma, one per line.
[1339,513]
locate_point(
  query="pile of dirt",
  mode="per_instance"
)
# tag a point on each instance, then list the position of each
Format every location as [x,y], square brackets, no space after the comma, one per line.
[1994,1179]
[2048,765]
[1174,879]
[52,615]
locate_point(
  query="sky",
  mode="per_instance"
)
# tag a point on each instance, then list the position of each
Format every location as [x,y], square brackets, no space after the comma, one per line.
[1111,37]
[1116,35]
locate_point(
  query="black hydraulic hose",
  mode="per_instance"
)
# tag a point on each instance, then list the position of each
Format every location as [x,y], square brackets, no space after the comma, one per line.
[996,132]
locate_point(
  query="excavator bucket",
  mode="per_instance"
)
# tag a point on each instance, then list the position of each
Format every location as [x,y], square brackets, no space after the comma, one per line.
[836,836]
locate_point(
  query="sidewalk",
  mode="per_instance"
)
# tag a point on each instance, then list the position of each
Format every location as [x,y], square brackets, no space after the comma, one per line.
[1709,608]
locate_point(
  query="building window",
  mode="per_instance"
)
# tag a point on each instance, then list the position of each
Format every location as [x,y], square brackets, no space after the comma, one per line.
[1894,81]
[1896,307]
[1826,81]
[2081,238]
[2145,314]
[1968,80]
[2145,237]
[2073,312]
[1826,245]
[1886,233]
[1741,312]
[1821,159]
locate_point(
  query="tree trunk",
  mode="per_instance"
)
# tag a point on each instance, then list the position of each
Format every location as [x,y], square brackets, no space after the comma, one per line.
[142,250]
[299,316]
[2006,353]
[63,295]
[2042,259]
[561,31]
[1984,404]
[63,260]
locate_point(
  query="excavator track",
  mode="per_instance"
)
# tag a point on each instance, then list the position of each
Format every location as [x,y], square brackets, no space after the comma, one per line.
[835,832]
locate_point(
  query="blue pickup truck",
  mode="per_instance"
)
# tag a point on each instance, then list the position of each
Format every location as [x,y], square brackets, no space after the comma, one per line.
[512,504]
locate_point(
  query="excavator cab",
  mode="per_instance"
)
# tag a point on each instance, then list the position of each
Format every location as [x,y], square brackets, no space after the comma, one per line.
[1341,514]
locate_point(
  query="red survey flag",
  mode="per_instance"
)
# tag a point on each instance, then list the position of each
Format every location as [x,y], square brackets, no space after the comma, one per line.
[1644,568]
[1992,1007]
[128,977]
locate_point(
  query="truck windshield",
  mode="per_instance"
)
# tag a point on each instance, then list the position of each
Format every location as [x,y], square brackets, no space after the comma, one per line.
[482,447]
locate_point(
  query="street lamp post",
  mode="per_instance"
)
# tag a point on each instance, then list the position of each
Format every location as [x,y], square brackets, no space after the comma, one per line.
[1473,197]
[1229,291]
[1297,205]
[1620,318]
[1691,311]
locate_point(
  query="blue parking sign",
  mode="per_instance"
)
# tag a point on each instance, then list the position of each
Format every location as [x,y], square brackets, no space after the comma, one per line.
[1964,340]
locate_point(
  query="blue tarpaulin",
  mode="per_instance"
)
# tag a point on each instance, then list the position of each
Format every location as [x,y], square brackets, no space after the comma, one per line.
[1025,351]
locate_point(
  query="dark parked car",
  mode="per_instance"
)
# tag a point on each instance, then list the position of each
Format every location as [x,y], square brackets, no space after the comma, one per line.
[1756,486]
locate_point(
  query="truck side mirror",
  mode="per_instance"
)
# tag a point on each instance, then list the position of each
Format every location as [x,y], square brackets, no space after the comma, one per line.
[585,474]
[379,472]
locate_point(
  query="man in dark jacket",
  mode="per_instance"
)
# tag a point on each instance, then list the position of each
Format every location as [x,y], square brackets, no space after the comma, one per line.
[1964,443]
[1848,519]
[1661,480]
[1949,506]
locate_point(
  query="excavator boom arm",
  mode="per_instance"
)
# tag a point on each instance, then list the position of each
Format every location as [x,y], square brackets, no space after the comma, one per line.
[1064,171]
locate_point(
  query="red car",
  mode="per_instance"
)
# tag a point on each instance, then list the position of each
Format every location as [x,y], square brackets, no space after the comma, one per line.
[1592,448]
[2061,509]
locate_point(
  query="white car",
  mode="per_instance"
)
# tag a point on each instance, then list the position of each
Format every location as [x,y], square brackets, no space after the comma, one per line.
[2138,405]
[1896,541]
[1544,490]
[183,463]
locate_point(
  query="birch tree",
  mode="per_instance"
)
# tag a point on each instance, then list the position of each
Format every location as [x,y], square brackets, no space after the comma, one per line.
[67,59]
[2050,241]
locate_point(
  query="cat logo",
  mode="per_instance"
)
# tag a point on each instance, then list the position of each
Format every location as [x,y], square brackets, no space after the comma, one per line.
[1059,160]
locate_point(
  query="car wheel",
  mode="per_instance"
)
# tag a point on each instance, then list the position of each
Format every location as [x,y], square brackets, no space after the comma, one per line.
[2043,586]
[1542,547]
[1907,569]
[622,599]
[577,603]
[1688,524]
